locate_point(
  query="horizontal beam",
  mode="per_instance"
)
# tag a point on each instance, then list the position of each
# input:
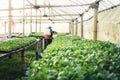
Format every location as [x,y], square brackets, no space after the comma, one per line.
[46,6]
[38,21]
[41,19]
[47,16]
[52,6]
[15,9]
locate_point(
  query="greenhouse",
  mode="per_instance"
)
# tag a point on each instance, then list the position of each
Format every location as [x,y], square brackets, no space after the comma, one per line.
[59,40]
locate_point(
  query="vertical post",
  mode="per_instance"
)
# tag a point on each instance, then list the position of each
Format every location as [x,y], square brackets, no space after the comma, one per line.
[36,21]
[23,17]
[76,27]
[13,30]
[40,22]
[81,15]
[40,47]
[95,17]
[5,26]
[69,27]
[31,20]
[23,62]
[72,27]
[9,22]
[37,52]
[43,43]
[36,16]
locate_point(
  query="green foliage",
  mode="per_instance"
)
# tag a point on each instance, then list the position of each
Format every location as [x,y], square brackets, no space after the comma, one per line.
[72,58]
[41,34]
[15,43]
[11,69]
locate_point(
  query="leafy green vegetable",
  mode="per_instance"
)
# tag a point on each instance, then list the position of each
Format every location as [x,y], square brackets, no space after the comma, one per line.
[15,43]
[72,58]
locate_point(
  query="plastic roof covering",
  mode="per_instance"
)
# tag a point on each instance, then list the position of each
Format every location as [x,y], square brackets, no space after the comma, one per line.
[58,11]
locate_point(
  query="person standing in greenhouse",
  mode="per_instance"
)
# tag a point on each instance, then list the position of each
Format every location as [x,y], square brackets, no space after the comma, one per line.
[47,36]
[51,33]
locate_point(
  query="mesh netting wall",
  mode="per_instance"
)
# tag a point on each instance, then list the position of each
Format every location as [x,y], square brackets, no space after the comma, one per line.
[108,26]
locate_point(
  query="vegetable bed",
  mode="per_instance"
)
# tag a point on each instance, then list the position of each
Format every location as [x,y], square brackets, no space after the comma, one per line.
[72,58]
[41,34]
[15,44]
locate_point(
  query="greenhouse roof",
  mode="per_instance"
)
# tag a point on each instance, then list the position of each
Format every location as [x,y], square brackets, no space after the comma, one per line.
[52,10]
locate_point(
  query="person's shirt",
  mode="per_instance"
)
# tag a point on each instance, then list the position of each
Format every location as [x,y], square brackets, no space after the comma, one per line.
[47,31]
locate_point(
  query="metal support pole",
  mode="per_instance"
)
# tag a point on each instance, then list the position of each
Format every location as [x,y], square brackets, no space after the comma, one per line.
[23,62]
[76,27]
[31,21]
[40,48]
[81,25]
[9,22]
[5,26]
[36,16]
[40,22]
[72,26]
[23,17]
[95,17]
[13,30]
[43,43]
[37,52]
[36,22]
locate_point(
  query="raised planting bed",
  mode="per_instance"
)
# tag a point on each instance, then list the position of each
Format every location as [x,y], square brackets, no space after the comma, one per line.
[14,44]
[72,58]
[37,35]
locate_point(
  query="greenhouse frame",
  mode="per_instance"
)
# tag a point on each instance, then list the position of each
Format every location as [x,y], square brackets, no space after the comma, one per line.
[85,43]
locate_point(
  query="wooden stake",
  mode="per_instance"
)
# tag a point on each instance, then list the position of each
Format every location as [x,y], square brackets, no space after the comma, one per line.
[37,52]
[9,22]
[23,62]
[40,22]
[43,43]
[81,25]
[76,27]
[5,26]
[23,18]
[95,17]
[72,28]
[31,21]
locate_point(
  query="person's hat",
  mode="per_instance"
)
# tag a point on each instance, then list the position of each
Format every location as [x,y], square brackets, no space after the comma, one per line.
[49,27]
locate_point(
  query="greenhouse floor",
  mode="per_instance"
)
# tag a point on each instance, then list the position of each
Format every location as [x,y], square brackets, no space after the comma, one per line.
[10,69]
